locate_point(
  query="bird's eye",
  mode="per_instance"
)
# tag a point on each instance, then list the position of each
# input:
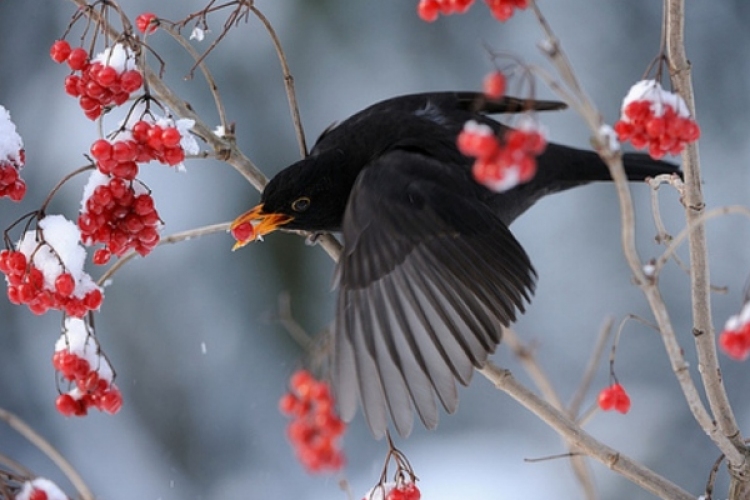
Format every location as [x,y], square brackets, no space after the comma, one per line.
[301,204]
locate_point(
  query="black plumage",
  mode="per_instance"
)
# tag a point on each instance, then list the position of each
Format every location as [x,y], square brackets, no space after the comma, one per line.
[430,272]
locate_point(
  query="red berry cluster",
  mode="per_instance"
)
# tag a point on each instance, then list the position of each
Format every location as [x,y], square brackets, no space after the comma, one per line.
[494,85]
[147,22]
[98,85]
[119,217]
[657,120]
[26,285]
[11,184]
[735,339]
[400,490]
[315,428]
[614,397]
[429,10]
[90,391]
[404,491]
[79,361]
[149,142]
[501,165]
[504,9]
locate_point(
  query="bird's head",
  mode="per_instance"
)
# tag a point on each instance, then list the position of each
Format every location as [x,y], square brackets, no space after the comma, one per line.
[309,195]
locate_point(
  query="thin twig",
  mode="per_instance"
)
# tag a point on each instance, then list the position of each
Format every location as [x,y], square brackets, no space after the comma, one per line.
[45,447]
[212,86]
[172,238]
[288,80]
[574,407]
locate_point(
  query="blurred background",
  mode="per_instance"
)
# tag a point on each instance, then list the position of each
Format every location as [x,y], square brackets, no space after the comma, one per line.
[192,330]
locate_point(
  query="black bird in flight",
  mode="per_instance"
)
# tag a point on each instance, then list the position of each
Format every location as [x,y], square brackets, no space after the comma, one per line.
[430,272]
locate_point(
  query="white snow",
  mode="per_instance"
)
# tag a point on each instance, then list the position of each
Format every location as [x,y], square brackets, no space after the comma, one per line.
[77,340]
[11,143]
[96,179]
[51,489]
[511,179]
[118,56]
[651,90]
[475,127]
[379,492]
[197,34]
[609,135]
[64,237]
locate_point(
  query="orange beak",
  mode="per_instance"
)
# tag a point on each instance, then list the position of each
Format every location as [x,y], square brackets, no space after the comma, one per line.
[253,224]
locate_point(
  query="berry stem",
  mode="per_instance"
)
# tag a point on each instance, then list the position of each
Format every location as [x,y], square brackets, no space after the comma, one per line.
[173,238]
[60,184]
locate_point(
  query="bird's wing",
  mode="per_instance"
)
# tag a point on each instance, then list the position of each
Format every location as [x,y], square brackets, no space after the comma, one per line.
[428,277]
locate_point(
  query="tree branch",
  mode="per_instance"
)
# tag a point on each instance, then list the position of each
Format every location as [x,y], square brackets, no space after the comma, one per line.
[572,432]
[703,332]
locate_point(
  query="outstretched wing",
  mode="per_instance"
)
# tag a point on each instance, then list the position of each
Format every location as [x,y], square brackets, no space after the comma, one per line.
[428,277]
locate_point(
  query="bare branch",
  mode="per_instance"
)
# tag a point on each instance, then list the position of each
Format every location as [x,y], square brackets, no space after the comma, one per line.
[703,332]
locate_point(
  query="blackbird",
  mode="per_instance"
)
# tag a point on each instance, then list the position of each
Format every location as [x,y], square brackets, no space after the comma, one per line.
[430,273]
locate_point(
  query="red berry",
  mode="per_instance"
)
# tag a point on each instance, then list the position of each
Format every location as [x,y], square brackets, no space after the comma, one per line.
[171,137]
[111,400]
[66,405]
[60,51]
[428,10]
[173,156]
[131,81]
[494,85]
[102,256]
[614,397]
[78,59]
[65,284]
[93,299]
[101,149]
[37,494]
[106,76]
[146,22]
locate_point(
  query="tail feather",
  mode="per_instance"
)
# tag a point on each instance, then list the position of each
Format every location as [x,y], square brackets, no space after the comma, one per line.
[639,166]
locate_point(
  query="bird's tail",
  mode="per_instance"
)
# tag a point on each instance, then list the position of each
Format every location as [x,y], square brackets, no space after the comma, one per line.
[567,167]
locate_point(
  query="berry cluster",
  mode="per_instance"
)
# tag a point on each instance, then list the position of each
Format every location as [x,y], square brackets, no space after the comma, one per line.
[494,85]
[49,274]
[79,361]
[315,428]
[429,10]
[40,489]
[614,397]
[735,339]
[120,215]
[502,10]
[12,159]
[400,490]
[107,79]
[502,165]
[142,143]
[11,184]
[147,22]
[655,119]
